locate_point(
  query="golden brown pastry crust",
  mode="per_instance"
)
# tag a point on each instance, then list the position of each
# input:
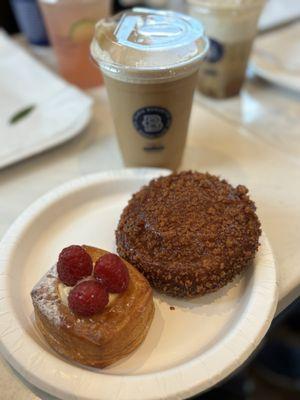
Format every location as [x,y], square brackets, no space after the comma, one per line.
[104,338]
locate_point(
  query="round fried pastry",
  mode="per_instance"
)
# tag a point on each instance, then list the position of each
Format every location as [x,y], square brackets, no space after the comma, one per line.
[189,233]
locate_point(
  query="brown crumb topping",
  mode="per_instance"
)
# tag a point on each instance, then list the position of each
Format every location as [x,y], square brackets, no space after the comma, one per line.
[189,233]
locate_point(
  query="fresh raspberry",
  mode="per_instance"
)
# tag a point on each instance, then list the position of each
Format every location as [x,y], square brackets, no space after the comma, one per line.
[112,272]
[88,298]
[74,264]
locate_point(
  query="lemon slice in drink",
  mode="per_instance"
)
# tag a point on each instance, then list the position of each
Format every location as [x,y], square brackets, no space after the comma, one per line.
[82,30]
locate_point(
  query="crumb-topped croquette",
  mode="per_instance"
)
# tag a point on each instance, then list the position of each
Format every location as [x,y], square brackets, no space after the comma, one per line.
[189,233]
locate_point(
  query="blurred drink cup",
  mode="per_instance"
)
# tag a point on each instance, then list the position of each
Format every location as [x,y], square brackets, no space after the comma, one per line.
[231,26]
[150,61]
[30,21]
[70,24]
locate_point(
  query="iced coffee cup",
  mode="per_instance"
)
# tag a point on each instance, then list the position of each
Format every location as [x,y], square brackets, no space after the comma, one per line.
[231,27]
[150,61]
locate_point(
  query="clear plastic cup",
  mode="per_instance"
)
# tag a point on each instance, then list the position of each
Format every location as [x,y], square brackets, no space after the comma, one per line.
[150,61]
[231,26]
[70,24]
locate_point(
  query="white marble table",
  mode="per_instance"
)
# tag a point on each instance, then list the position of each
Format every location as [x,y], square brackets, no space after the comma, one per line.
[214,144]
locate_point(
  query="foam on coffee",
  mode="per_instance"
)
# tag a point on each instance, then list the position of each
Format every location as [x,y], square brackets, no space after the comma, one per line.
[228,20]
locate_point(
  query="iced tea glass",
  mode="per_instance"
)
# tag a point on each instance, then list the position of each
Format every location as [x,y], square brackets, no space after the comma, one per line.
[70,24]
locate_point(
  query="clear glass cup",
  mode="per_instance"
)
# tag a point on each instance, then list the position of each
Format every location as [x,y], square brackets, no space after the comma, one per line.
[70,24]
[150,61]
[231,26]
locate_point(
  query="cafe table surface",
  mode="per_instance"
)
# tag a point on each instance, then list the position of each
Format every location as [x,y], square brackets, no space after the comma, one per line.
[220,145]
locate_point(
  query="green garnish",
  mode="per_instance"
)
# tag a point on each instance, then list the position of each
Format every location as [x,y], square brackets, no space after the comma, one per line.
[21,114]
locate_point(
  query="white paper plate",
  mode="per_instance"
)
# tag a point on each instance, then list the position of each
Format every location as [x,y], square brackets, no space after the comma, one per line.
[278,12]
[60,111]
[276,57]
[39,144]
[187,350]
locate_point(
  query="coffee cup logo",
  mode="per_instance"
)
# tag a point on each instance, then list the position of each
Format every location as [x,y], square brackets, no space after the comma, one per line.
[152,122]
[215,51]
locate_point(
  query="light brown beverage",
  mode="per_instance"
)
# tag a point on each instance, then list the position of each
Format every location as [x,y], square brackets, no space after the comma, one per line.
[147,148]
[231,27]
[150,61]
[225,78]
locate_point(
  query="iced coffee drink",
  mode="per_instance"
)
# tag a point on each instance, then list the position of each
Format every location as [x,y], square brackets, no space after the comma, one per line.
[150,61]
[231,27]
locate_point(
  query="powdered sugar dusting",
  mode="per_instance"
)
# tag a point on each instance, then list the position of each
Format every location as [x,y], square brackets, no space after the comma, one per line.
[45,296]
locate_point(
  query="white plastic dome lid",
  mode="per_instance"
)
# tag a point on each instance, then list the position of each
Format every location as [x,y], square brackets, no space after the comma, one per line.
[146,40]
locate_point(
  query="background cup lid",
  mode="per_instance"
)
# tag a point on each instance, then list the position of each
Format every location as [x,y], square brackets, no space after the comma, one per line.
[227,4]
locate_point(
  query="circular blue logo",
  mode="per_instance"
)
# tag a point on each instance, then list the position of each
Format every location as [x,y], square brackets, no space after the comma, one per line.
[152,122]
[215,51]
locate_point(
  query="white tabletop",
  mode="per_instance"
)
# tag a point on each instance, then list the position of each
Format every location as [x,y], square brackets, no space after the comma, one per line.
[214,144]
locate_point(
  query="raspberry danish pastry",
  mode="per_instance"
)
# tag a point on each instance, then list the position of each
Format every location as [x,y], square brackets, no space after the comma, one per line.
[93,307]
